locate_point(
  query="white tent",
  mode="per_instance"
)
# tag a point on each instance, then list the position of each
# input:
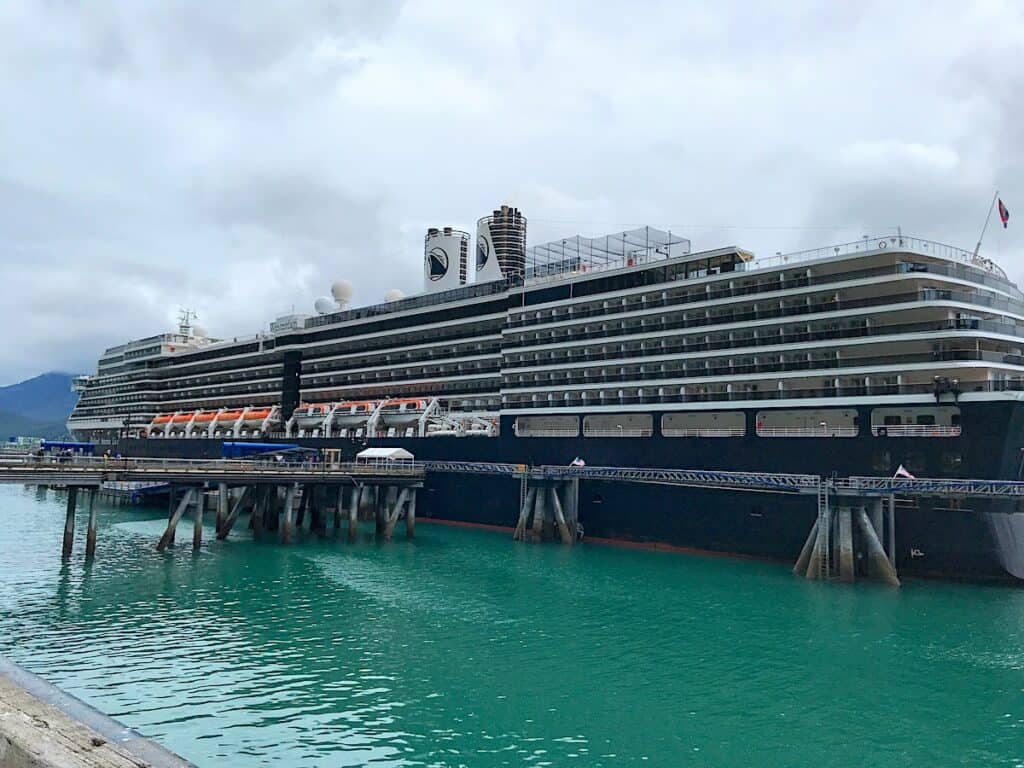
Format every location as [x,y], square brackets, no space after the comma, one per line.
[384,454]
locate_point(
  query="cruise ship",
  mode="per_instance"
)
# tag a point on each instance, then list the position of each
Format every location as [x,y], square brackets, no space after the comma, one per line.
[631,349]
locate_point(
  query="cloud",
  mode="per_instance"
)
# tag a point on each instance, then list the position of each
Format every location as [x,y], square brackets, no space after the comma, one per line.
[154,156]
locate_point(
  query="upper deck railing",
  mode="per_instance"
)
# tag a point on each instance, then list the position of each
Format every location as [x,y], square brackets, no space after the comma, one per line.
[877,245]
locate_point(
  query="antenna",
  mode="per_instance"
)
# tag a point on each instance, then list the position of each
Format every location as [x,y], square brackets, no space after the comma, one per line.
[185,320]
[982,235]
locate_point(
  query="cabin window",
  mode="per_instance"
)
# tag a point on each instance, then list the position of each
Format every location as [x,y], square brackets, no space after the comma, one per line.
[916,421]
[618,425]
[704,424]
[547,426]
[830,422]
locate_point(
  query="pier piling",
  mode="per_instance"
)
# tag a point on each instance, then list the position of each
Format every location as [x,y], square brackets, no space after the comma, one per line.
[69,523]
[878,563]
[410,517]
[563,529]
[355,498]
[222,505]
[197,521]
[225,527]
[846,545]
[90,535]
[172,524]
[287,523]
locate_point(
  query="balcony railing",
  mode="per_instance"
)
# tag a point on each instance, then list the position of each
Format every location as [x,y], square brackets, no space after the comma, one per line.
[915,430]
[699,432]
[825,431]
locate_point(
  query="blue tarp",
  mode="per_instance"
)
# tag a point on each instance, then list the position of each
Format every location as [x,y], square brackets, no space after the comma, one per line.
[237,450]
[63,445]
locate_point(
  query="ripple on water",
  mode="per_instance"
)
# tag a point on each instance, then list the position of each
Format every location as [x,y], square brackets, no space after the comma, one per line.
[465,649]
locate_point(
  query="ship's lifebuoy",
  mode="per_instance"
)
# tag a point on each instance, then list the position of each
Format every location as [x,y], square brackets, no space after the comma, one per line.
[881,245]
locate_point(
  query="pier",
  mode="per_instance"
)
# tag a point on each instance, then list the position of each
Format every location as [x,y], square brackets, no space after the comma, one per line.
[856,516]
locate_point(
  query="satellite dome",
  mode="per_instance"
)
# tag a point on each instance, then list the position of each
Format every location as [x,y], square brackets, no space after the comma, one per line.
[341,290]
[394,295]
[324,305]
[198,331]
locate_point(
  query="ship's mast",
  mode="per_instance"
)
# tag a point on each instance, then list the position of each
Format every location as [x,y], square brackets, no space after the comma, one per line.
[186,317]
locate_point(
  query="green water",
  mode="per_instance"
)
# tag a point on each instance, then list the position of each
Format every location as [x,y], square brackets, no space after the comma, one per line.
[464,648]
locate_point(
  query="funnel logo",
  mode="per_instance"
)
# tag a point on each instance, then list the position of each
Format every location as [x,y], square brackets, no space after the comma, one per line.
[483,250]
[437,263]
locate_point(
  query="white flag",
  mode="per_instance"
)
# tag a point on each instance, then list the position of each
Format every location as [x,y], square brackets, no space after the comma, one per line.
[578,462]
[902,472]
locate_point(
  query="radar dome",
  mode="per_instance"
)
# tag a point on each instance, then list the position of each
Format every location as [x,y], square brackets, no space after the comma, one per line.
[198,331]
[324,305]
[341,290]
[394,295]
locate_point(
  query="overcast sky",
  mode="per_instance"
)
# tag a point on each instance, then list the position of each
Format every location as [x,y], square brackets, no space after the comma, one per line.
[238,157]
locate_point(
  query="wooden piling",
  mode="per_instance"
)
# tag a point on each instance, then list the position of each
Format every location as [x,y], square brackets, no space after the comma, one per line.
[878,563]
[289,511]
[845,545]
[225,527]
[339,508]
[355,497]
[90,535]
[223,502]
[307,493]
[567,538]
[410,516]
[172,524]
[69,523]
[197,521]
[394,513]
[259,509]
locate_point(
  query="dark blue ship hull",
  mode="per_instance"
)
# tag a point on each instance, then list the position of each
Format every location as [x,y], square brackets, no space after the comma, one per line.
[971,539]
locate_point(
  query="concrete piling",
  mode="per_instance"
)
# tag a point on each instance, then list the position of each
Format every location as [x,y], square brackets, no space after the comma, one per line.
[524,515]
[805,554]
[563,528]
[845,545]
[90,535]
[69,523]
[891,529]
[878,563]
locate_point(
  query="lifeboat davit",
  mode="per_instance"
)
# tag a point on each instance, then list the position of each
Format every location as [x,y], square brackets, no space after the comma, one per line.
[403,412]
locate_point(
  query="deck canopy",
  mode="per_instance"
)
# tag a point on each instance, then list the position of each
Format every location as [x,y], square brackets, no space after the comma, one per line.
[384,454]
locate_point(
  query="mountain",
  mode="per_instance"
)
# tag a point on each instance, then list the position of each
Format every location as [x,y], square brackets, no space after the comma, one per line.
[13,425]
[37,407]
[46,398]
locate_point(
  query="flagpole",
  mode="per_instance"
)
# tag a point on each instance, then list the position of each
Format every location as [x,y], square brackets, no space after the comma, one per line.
[982,236]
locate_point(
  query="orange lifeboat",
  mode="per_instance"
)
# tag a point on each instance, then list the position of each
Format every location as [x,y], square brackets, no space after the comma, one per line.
[229,416]
[181,418]
[354,412]
[257,415]
[163,418]
[205,417]
[403,411]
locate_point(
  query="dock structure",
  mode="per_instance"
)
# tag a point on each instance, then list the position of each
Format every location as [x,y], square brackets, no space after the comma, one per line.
[853,533]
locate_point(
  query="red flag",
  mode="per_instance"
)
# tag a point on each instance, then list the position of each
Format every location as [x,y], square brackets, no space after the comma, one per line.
[1004,213]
